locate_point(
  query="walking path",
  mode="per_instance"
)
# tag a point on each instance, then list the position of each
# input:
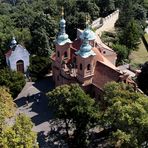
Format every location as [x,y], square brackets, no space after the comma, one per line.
[38,112]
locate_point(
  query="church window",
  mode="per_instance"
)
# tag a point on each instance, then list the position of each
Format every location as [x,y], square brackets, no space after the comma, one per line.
[88,67]
[80,66]
[58,53]
[65,54]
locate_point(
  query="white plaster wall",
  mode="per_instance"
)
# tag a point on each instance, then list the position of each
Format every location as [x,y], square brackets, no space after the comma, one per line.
[20,53]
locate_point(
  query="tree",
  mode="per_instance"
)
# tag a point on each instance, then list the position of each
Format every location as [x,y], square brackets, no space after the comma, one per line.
[43,31]
[125,113]
[15,81]
[18,133]
[122,52]
[7,106]
[142,78]
[106,7]
[130,36]
[39,66]
[71,104]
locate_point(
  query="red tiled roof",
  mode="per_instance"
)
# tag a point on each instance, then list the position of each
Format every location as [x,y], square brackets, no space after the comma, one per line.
[8,53]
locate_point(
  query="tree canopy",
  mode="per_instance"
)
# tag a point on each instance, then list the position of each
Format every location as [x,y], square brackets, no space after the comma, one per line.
[17,133]
[15,81]
[125,112]
[71,104]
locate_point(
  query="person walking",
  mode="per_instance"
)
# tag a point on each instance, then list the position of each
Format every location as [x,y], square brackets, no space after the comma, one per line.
[27,99]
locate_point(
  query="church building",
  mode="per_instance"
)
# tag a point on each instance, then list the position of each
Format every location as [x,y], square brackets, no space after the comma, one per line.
[86,61]
[17,57]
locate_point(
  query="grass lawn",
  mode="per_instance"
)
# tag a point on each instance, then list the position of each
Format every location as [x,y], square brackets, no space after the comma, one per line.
[138,57]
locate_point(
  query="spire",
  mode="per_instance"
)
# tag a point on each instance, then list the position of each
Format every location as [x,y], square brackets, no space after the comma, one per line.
[87,19]
[62,13]
[13,42]
[62,22]
[88,33]
[62,37]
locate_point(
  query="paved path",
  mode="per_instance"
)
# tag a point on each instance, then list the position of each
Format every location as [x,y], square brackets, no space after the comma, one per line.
[39,113]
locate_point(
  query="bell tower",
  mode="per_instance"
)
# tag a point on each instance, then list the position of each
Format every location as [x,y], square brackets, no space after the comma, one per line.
[85,57]
[62,44]
[62,54]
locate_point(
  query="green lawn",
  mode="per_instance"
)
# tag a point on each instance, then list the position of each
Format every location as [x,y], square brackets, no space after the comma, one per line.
[139,57]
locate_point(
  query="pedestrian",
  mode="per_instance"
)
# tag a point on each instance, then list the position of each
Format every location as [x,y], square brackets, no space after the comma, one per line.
[38,98]
[27,99]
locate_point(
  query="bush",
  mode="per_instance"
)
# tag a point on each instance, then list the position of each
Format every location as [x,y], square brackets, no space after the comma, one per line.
[15,81]
[39,66]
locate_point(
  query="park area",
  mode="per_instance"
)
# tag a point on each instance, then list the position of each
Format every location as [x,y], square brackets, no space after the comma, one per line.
[139,56]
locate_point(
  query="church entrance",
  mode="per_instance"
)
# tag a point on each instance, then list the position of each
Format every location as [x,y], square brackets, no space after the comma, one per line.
[20,66]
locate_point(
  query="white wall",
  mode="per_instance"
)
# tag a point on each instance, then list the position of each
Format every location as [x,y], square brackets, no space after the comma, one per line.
[20,53]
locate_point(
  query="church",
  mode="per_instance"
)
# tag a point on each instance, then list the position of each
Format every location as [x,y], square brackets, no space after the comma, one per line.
[17,57]
[86,61]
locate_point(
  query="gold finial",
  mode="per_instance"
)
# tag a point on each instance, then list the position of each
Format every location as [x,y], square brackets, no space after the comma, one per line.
[87,20]
[62,11]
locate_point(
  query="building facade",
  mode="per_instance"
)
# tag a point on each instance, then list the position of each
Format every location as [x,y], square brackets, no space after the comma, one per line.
[86,61]
[17,57]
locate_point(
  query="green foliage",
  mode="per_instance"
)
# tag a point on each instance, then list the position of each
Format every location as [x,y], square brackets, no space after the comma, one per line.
[70,103]
[126,113]
[106,6]
[15,81]
[39,66]
[122,53]
[20,134]
[17,134]
[130,36]
[43,30]
[7,106]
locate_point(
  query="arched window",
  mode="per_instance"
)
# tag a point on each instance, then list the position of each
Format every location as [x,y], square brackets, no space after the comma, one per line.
[88,67]
[20,66]
[65,54]
[74,60]
[58,53]
[80,66]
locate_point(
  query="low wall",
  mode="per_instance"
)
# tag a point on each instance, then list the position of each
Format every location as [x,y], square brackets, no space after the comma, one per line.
[107,23]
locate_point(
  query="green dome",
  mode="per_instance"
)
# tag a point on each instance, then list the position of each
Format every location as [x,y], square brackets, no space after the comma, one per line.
[88,34]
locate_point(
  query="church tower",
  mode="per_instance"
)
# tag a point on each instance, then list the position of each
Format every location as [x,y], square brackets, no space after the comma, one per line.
[85,56]
[62,44]
[62,54]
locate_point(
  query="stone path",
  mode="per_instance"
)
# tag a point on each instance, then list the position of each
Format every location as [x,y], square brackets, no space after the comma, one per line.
[38,112]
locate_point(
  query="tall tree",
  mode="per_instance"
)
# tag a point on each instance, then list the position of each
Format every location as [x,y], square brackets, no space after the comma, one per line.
[18,133]
[125,113]
[15,81]
[71,104]
[130,36]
